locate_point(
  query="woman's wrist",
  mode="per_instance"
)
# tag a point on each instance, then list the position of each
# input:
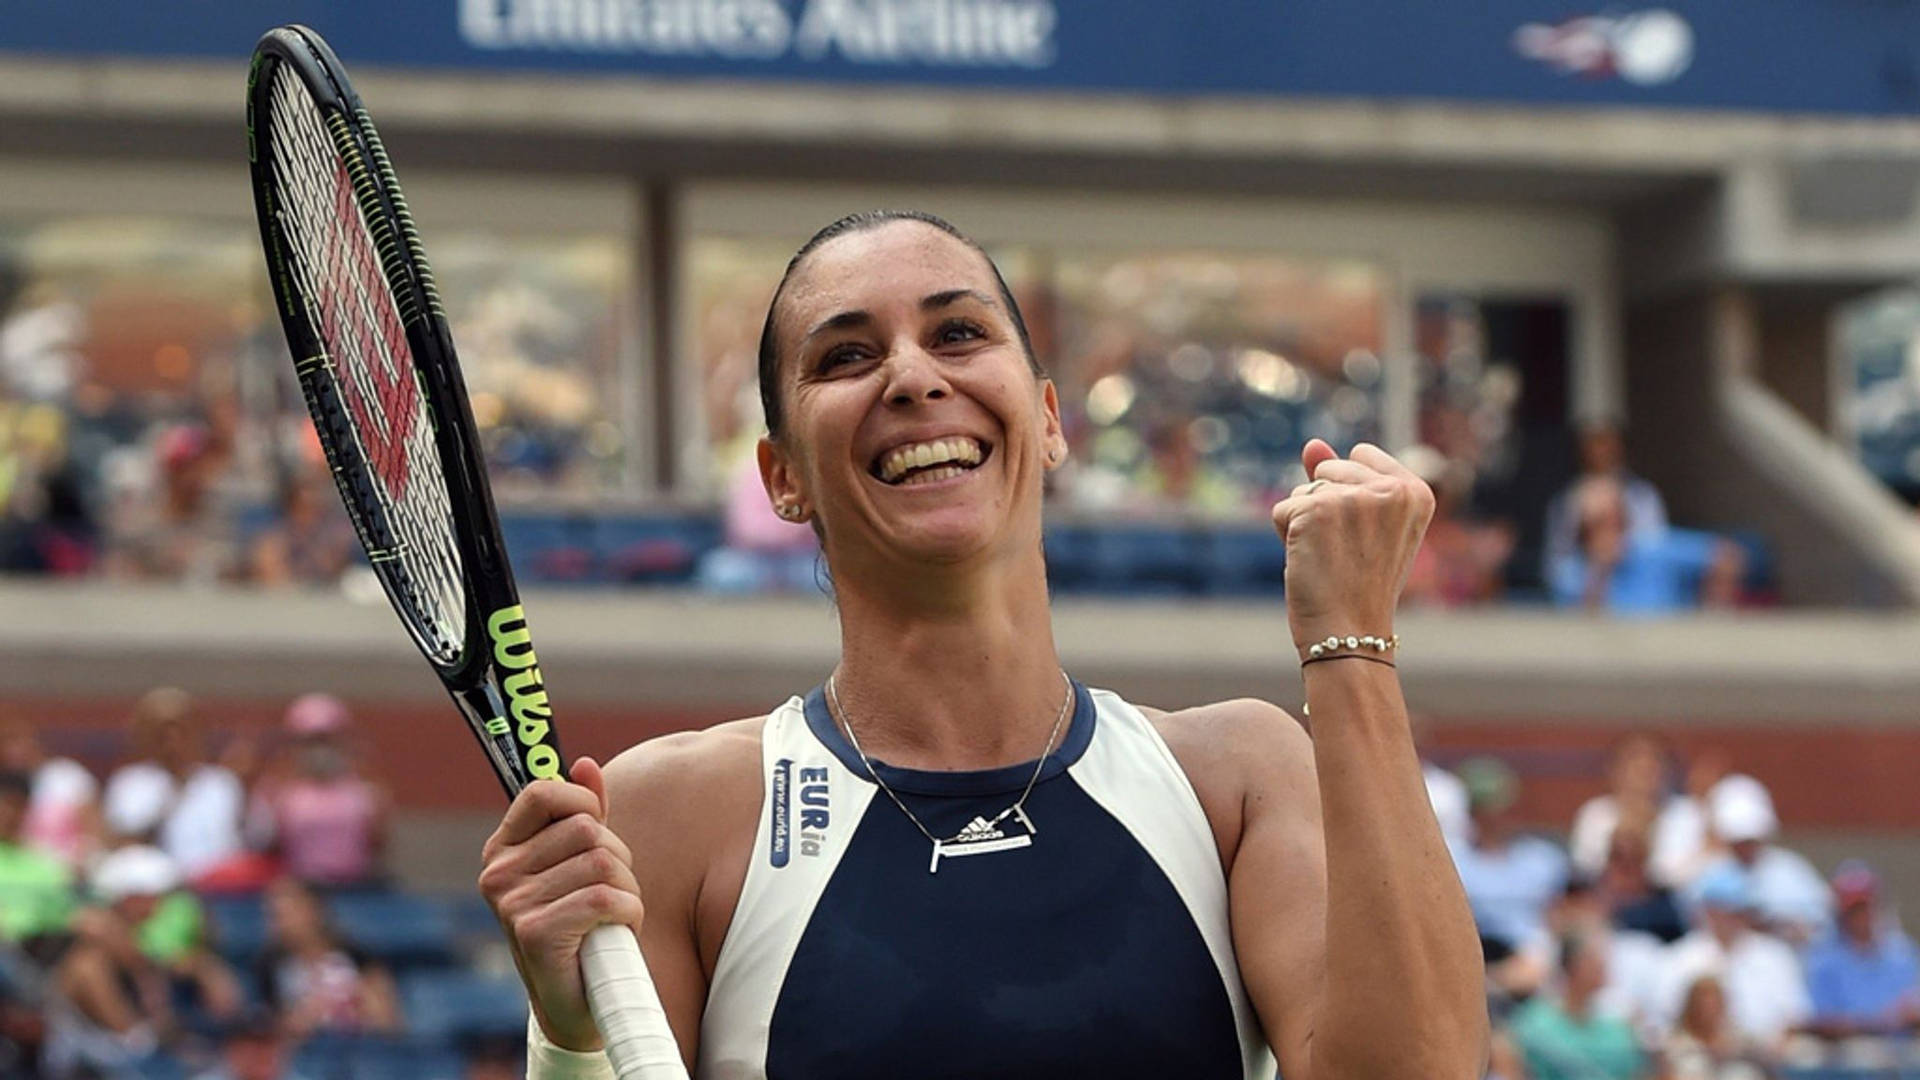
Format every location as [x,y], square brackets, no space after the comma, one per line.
[547,1061]
[1355,644]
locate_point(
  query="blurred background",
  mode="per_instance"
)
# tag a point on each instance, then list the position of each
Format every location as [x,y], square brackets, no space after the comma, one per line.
[1633,287]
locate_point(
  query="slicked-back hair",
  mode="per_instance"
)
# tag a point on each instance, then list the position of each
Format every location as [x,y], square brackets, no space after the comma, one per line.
[770,403]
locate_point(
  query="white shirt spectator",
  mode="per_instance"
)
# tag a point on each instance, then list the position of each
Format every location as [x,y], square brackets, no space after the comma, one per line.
[1766,990]
[196,822]
[1677,836]
[1787,891]
[56,823]
[1449,798]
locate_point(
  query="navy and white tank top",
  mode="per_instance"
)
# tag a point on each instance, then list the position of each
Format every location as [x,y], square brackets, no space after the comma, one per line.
[1097,945]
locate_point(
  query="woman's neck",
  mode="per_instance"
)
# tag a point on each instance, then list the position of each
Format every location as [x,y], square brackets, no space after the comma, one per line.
[960,674]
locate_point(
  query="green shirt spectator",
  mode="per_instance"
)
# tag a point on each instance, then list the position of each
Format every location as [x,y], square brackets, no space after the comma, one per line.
[1565,1039]
[36,892]
[174,931]
[36,895]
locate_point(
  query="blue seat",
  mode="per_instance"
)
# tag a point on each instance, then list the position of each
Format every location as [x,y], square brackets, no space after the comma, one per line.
[657,547]
[238,925]
[1245,561]
[400,929]
[1069,551]
[462,1005]
[375,1057]
[1136,559]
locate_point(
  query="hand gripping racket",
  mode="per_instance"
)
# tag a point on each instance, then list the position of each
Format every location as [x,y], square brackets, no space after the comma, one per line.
[376,364]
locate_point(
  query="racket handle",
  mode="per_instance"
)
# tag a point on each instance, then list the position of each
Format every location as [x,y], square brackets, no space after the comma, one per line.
[626,1006]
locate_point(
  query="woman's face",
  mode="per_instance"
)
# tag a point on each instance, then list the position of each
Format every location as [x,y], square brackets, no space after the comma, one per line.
[915,429]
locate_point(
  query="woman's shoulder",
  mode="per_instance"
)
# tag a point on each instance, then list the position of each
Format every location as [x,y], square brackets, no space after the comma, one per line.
[688,782]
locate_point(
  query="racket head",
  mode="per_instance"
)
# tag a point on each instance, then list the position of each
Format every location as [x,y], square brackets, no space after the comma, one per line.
[376,364]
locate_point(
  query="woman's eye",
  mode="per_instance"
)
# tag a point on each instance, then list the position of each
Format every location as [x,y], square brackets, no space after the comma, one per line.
[838,355]
[958,330]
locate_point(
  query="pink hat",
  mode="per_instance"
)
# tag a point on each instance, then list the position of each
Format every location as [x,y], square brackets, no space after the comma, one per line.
[316,714]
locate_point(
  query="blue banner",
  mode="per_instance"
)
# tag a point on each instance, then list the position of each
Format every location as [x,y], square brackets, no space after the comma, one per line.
[1835,56]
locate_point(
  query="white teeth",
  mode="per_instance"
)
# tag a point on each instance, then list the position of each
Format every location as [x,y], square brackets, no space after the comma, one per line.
[932,476]
[963,451]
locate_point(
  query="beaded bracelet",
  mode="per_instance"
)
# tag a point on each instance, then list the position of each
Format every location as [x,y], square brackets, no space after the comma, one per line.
[1321,649]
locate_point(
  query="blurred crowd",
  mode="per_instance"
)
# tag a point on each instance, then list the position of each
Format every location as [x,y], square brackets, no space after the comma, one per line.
[1673,937]
[1188,385]
[107,949]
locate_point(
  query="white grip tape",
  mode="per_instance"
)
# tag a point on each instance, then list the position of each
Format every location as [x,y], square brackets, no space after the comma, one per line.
[627,1009]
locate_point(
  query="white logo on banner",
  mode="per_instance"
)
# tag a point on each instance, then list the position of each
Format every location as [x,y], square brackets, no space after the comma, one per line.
[953,33]
[1646,48]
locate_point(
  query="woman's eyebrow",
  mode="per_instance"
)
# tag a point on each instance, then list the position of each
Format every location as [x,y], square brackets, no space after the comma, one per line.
[950,297]
[847,320]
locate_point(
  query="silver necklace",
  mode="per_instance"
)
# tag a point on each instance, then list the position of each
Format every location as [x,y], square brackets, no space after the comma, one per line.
[982,835]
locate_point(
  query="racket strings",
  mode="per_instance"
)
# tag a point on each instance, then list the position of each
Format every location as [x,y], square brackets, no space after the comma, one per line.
[400,506]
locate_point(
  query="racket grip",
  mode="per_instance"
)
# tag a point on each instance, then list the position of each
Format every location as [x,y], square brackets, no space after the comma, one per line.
[627,1009]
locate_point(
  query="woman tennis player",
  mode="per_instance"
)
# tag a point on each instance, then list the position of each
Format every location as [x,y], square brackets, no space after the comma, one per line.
[951,859]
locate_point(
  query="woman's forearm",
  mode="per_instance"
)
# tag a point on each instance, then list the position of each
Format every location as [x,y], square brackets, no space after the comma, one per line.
[1405,995]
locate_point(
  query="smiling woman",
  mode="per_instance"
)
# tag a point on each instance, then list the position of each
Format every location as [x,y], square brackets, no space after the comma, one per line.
[952,859]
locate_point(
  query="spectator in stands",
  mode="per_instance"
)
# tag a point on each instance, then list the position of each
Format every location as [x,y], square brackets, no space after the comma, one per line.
[1563,1035]
[179,531]
[1788,894]
[1633,900]
[1603,455]
[63,814]
[1637,795]
[46,524]
[36,889]
[112,1004]
[315,981]
[1704,1044]
[1510,878]
[254,1049]
[1633,958]
[1685,844]
[1609,545]
[142,885]
[171,794]
[763,552]
[311,544]
[1461,562]
[1864,978]
[1766,992]
[327,820]
[1618,570]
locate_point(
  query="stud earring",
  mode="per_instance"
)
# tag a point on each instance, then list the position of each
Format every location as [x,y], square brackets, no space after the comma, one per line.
[789,511]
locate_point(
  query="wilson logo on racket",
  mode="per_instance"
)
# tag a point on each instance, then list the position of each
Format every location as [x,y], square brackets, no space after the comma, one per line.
[525,690]
[381,353]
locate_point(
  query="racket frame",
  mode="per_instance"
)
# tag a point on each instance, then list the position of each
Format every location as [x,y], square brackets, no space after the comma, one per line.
[495,678]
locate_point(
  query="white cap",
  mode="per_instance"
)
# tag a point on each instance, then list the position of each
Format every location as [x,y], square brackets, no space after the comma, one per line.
[139,870]
[1742,810]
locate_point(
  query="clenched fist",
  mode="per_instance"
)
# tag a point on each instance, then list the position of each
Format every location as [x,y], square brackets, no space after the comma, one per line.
[553,872]
[1351,533]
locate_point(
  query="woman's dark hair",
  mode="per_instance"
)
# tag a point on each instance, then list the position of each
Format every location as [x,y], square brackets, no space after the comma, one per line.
[867,219]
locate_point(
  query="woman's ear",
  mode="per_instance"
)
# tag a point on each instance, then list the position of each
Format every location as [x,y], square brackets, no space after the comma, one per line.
[1053,433]
[782,481]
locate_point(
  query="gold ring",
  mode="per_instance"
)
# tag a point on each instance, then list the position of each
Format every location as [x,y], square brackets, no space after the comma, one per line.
[1315,486]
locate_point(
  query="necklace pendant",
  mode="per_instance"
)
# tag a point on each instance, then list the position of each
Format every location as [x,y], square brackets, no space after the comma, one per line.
[982,837]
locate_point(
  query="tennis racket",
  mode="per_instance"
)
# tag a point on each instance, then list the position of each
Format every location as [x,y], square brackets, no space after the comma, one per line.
[376,365]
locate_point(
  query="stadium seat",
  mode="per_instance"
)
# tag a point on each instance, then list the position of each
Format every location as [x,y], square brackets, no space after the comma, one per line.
[658,547]
[1069,557]
[398,928]
[1146,559]
[372,1057]
[462,1005]
[1244,561]
[238,924]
